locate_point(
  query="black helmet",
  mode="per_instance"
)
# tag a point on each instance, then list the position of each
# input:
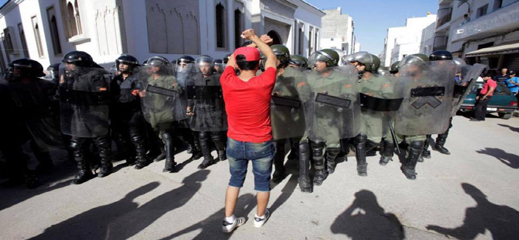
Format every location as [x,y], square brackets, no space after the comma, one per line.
[157,61]
[299,61]
[440,55]
[79,58]
[218,61]
[282,53]
[204,59]
[226,58]
[28,68]
[127,59]
[370,61]
[394,67]
[186,59]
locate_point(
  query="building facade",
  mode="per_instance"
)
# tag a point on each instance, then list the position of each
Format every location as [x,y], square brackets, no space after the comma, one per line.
[45,30]
[338,31]
[402,41]
[483,31]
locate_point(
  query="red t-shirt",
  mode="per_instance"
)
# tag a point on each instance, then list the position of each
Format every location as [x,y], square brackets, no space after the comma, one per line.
[490,83]
[248,105]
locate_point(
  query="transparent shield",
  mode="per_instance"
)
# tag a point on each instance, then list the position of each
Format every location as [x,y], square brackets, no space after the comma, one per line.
[427,104]
[205,99]
[465,86]
[84,101]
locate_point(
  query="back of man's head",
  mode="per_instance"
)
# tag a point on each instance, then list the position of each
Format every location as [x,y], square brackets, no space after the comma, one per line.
[247,58]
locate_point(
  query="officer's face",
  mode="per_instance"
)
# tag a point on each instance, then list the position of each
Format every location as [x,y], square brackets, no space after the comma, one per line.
[70,67]
[123,67]
[155,69]
[360,67]
[320,66]
[205,69]
[218,68]
[354,63]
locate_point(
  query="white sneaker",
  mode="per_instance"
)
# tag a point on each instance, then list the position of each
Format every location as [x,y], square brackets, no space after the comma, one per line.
[228,227]
[259,222]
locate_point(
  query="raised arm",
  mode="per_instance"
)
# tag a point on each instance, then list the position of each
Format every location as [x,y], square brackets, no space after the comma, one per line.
[263,47]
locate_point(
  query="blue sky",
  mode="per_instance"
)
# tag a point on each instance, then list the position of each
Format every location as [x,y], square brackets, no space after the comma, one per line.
[372,18]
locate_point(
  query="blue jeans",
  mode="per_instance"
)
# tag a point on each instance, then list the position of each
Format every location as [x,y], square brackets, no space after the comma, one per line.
[261,154]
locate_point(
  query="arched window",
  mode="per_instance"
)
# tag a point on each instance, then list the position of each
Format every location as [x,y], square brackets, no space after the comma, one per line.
[55,35]
[37,37]
[78,19]
[220,26]
[71,20]
[238,28]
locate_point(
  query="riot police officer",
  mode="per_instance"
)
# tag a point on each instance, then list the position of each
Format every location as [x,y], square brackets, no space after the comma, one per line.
[331,112]
[206,110]
[218,66]
[126,117]
[287,116]
[84,103]
[298,62]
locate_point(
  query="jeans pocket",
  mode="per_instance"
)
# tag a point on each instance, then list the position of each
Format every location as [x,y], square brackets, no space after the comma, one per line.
[264,149]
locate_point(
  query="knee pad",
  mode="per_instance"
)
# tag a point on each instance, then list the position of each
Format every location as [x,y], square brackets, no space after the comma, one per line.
[137,138]
[167,136]
[216,137]
[103,142]
[317,148]
[203,136]
[361,138]
[304,148]
[417,144]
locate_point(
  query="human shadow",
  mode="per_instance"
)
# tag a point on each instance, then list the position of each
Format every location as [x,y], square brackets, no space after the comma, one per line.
[93,223]
[501,221]
[211,226]
[366,219]
[136,220]
[515,129]
[508,159]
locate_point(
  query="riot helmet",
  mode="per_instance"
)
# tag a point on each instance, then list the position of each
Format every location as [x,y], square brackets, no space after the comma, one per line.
[394,67]
[24,68]
[370,62]
[414,64]
[226,58]
[78,58]
[158,65]
[126,59]
[348,59]
[218,65]
[440,55]
[282,53]
[185,64]
[204,65]
[299,61]
[326,58]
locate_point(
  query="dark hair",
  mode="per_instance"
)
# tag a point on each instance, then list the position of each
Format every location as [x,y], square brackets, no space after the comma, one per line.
[245,65]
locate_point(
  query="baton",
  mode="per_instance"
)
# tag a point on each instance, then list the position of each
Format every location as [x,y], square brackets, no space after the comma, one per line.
[394,139]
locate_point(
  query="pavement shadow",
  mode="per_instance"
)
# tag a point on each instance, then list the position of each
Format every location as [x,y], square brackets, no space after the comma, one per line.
[508,159]
[501,221]
[212,226]
[366,219]
[515,129]
[92,224]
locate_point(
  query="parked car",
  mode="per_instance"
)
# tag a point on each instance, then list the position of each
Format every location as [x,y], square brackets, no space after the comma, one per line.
[503,101]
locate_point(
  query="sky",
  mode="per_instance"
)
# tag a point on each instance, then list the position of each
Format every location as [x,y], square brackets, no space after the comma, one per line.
[372,18]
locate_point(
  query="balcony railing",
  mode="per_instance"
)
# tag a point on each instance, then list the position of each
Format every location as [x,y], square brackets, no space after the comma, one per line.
[500,21]
[444,16]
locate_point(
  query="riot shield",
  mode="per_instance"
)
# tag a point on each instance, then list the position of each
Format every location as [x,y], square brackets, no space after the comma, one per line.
[469,77]
[84,101]
[380,99]
[332,107]
[185,77]
[286,109]
[40,111]
[427,103]
[205,98]
[159,92]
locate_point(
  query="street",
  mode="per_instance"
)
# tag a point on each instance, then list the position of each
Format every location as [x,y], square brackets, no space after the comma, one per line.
[469,194]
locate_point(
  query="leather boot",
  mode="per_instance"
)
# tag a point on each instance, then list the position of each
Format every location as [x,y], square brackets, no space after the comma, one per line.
[425,152]
[104,145]
[140,152]
[319,163]
[408,168]
[170,163]
[360,154]
[305,183]
[279,162]
[440,142]
[219,142]
[206,150]
[84,174]
[387,152]
[331,156]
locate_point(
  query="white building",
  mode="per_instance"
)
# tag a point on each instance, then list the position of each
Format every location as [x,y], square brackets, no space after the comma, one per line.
[45,30]
[426,46]
[489,34]
[338,31]
[402,41]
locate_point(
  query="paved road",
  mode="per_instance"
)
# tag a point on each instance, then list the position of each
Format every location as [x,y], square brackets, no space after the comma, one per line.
[469,194]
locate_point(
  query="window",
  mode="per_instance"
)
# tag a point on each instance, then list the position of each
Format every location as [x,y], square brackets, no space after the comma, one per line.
[220,26]
[37,37]
[71,18]
[23,40]
[301,41]
[316,38]
[54,34]
[311,50]
[498,4]
[482,11]
[8,42]
[238,28]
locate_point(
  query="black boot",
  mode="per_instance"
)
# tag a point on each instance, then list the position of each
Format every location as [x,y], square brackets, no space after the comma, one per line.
[140,152]
[387,153]
[305,183]
[104,145]
[205,149]
[170,152]
[279,162]
[440,142]
[219,142]
[360,153]
[408,168]
[331,156]
[425,152]
[222,155]
[319,163]
[84,174]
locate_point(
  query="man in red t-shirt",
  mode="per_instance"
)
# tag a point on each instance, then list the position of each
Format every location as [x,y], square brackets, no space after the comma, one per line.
[486,93]
[247,102]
